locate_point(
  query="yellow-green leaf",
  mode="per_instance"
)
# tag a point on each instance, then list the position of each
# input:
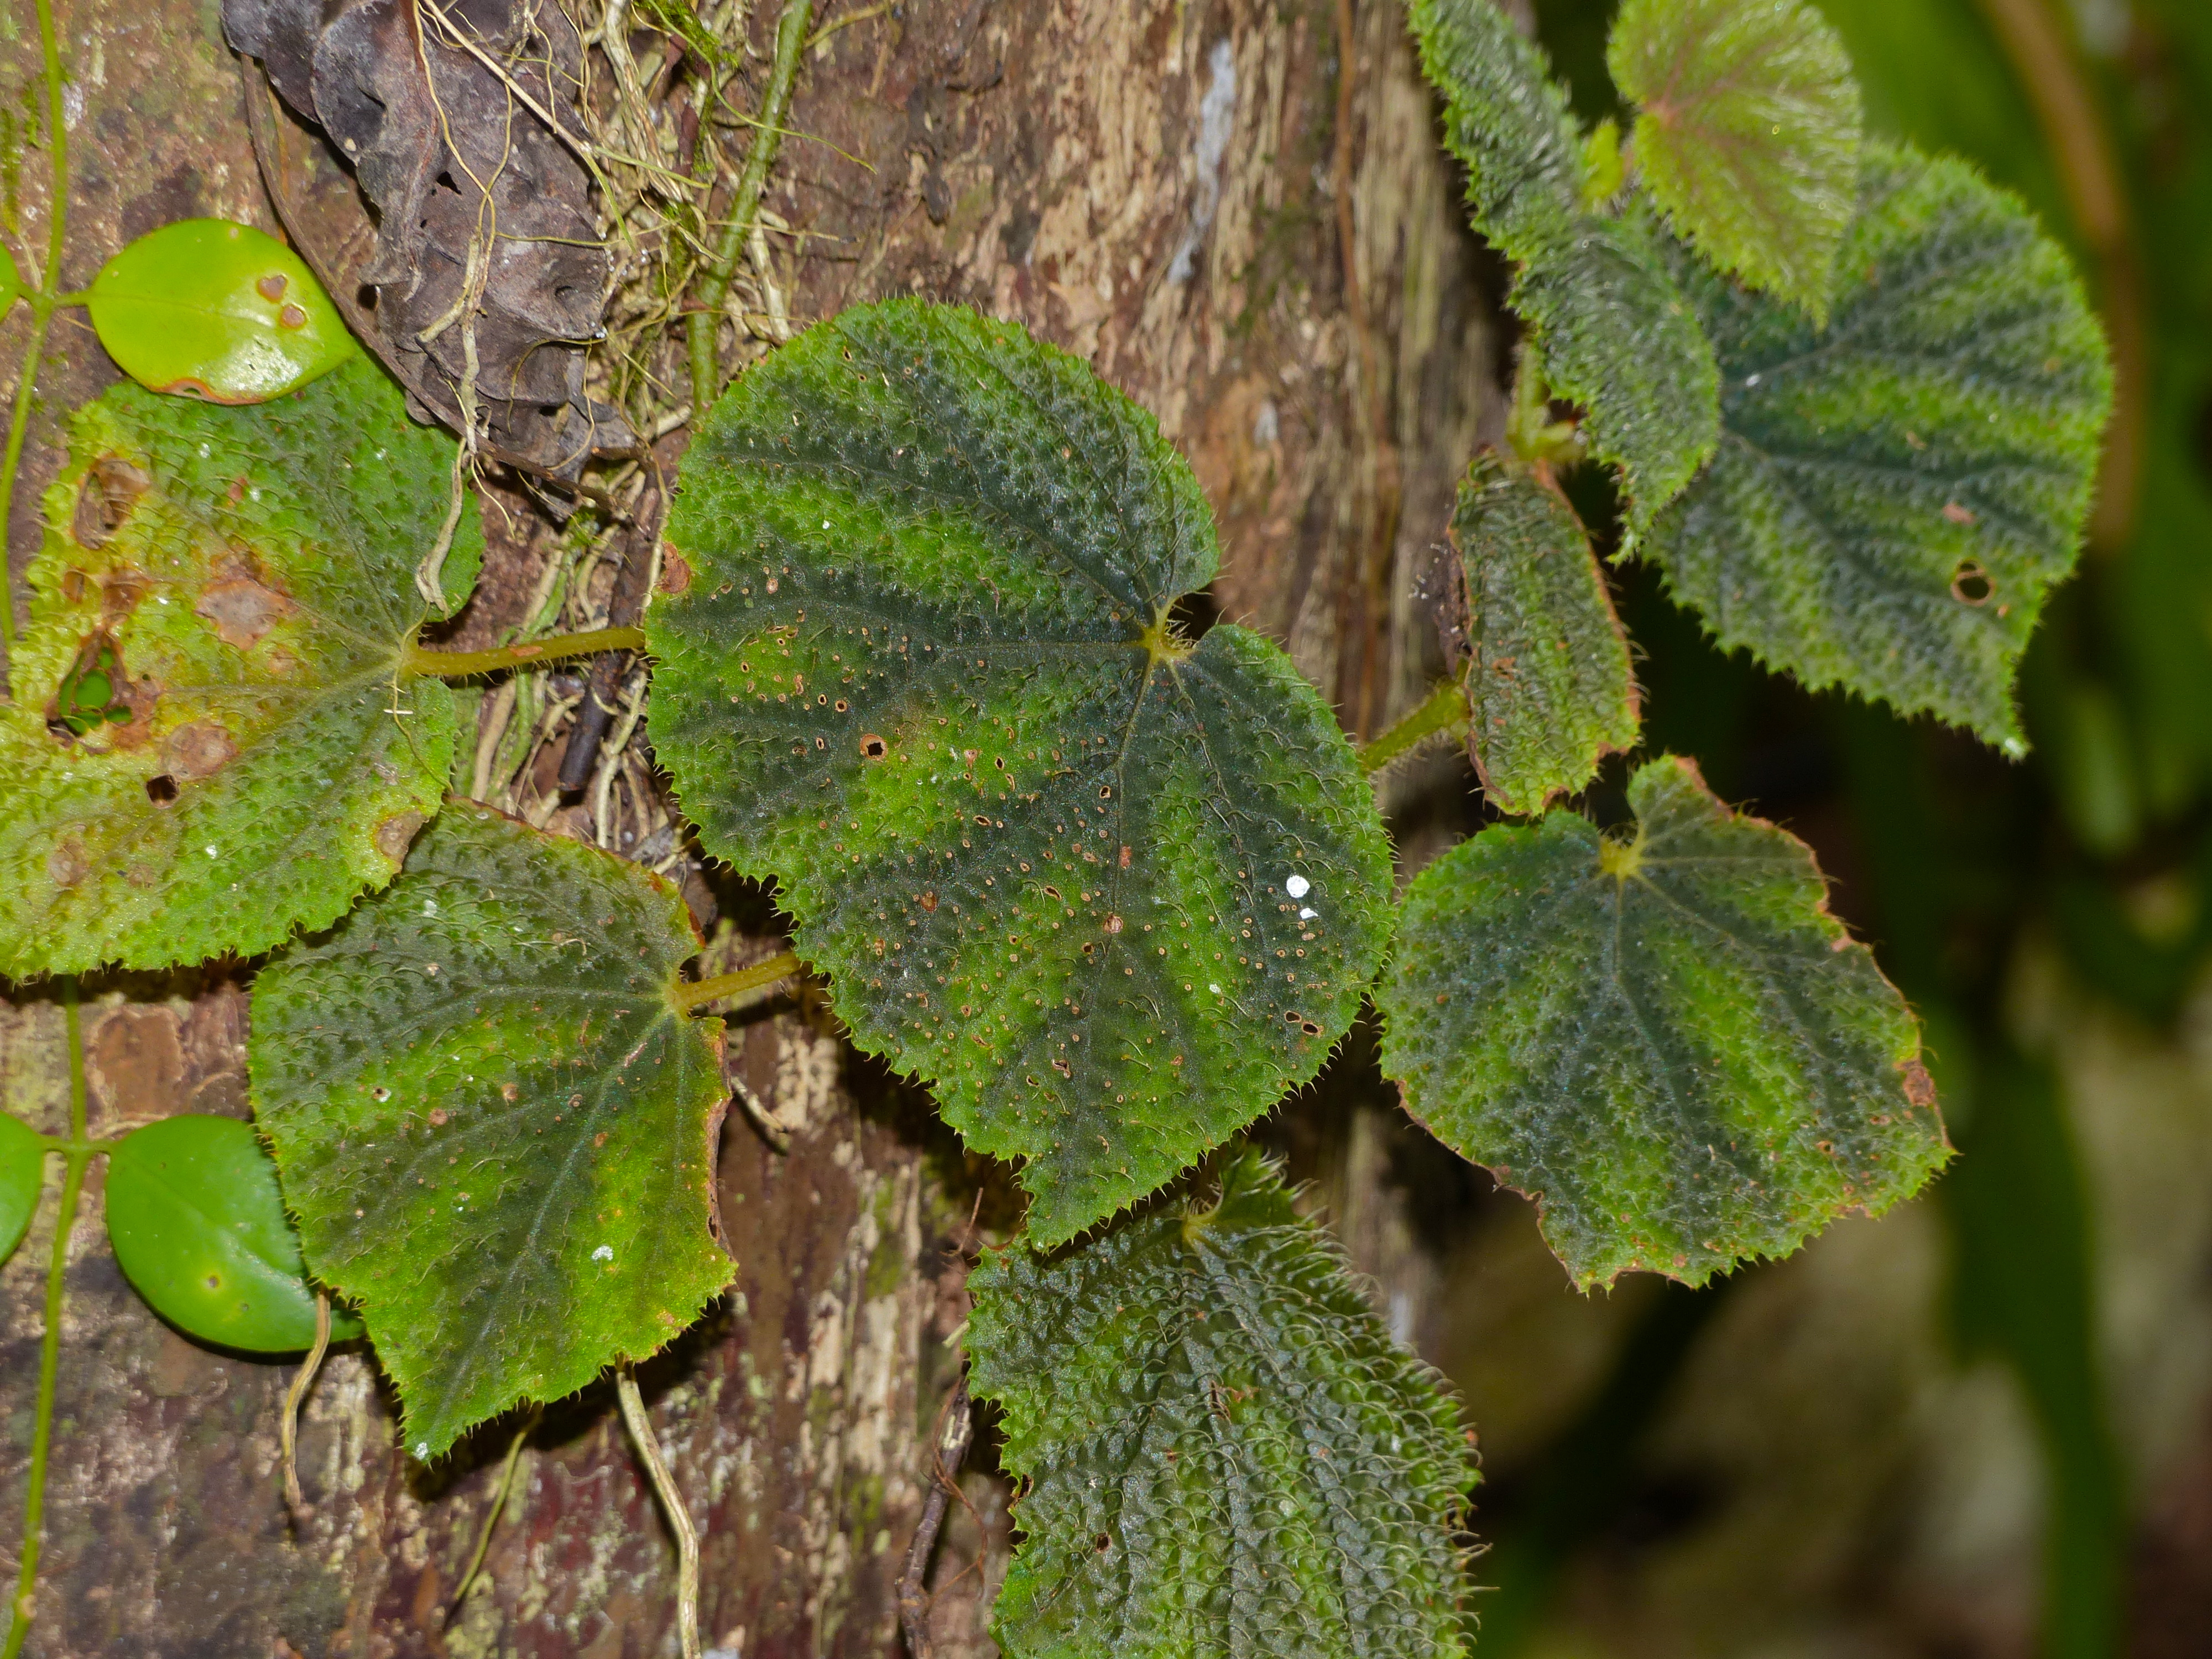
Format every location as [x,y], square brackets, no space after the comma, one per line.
[217,310]
[1747,134]
[210,743]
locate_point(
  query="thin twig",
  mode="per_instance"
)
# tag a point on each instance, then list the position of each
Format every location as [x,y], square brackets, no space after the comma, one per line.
[955,1425]
[671,1505]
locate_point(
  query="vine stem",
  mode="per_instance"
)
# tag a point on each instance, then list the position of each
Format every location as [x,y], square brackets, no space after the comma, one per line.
[461,664]
[295,1396]
[498,1508]
[671,1505]
[79,1154]
[1445,710]
[697,994]
[42,302]
[702,325]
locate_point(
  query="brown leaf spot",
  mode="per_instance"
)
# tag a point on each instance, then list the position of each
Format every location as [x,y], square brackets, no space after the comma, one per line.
[1125,858]
[292,317]
[241,608]
[394,835]
[1113,924]
[929,901]
[437,1117]
[1956,513]
[112,487]
[271,288]
[873,747]
[1920,1087]
[66,865]
[198,750]
[675,571]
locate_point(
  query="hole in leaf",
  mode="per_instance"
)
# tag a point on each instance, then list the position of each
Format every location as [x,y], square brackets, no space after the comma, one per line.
[1102,1542]
[873,746]
[1194,614]
[161,790]
[1971,585]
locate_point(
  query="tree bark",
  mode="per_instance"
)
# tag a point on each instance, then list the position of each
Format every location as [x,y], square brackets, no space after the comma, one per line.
[1237,211]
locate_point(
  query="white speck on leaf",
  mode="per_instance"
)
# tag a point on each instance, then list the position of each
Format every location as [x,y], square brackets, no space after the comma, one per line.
[1216,989]
[1298,887]
[1308,914]
[604,1252]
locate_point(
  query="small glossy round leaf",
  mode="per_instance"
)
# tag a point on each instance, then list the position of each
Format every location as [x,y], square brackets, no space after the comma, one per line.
[11,281]
[218,311]
[199,1228]
[22,1170]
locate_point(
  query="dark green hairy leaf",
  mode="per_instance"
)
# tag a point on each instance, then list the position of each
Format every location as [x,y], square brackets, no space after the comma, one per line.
[217,310]
[1748,134]
[1894,497]
[1110,893]
[209,743]
[1666,1040]
[1549,690]
[1616,333]
[199,1230]
[22,1174]
[1225,1452]
[496,1126]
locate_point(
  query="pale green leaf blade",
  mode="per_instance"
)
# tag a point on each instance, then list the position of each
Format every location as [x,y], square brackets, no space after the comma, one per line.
[494,1123]
[1549,688]
[1110,895]
[1894,497]
[211,309]
[1620,338]
[22,1177]
[1748,134]
[1666,1040]
[1223,1451]
[1507,121]
[209,743]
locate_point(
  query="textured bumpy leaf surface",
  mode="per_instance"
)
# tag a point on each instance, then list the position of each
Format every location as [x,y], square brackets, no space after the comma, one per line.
[1666,1040]
[22,1174]
[1894,497]
[1227,1453]
[1617,336]
[495,1125]
[199,1229]
[208,745]
[1549,689]
[1110,895]
[1748,134]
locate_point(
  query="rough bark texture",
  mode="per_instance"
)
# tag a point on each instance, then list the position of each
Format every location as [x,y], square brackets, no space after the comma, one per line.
[1242,224]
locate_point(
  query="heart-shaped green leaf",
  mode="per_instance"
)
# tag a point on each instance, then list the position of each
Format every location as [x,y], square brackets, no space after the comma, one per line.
[1668,1040]
[1111,893]
[1617,335]
[23,1177]
[495,1123]
[1223,1450]
[218,311]
[1549,690]
[1892,497]
[210,742]
[1748,134]
[198,1228]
